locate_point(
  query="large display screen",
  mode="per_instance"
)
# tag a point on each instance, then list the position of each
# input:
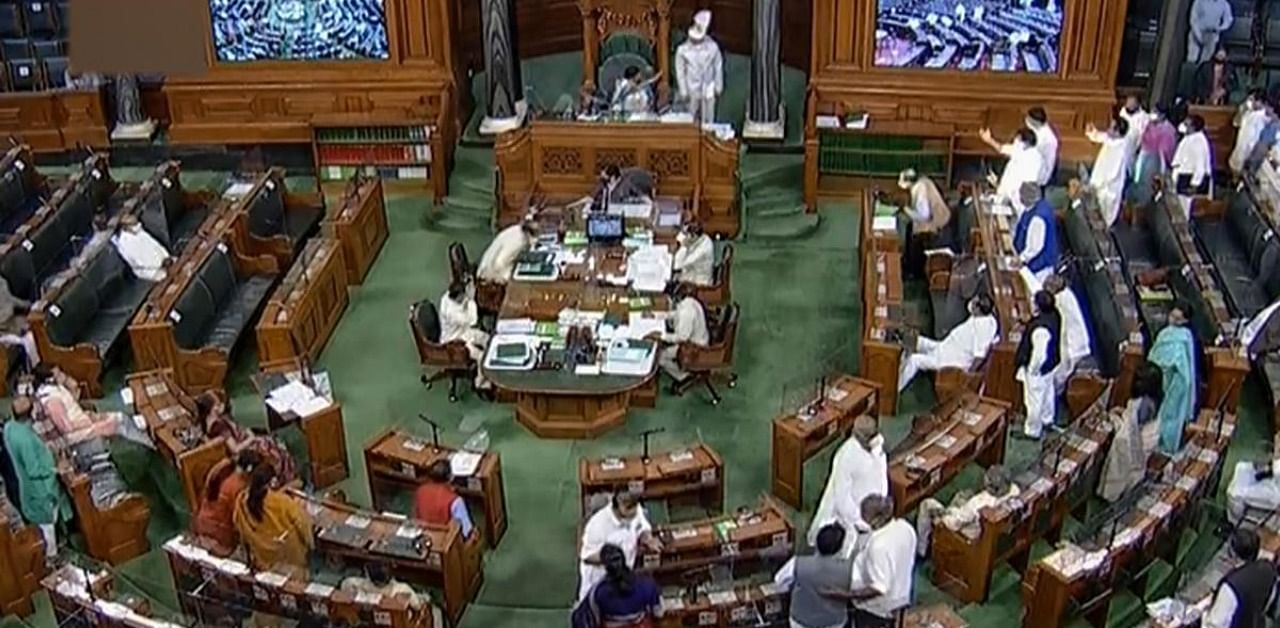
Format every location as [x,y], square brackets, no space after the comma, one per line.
[969,35]
[283,30]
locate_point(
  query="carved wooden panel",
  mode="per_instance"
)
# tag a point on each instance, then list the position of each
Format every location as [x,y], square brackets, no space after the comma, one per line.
[559,160]
[606,157]
[667,164]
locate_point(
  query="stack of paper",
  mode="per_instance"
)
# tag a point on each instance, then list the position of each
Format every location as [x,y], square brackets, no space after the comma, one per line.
[464,463]
[511,326]
[296,398]
[885,218]
[649,268]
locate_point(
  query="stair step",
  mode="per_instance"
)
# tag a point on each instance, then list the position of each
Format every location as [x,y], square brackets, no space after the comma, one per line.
[783,228]
[446,220]
[779,209]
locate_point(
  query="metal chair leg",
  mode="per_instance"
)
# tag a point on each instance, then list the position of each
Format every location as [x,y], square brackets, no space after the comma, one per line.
[453,389]
[715,396]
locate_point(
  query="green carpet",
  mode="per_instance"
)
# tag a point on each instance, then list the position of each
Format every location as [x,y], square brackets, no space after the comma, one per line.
[800,313]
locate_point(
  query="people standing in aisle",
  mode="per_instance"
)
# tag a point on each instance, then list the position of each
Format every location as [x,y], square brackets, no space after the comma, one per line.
[808,577]
[1192,164]
[1035,235]
[860,468]
[622,522]
[1024,165]
[1038,355]
[883,569]
[1111,166]
[1046,143]
[40,497]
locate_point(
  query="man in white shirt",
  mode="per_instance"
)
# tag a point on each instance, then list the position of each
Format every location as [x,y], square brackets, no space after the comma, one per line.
[1253,341]
[1046,143]
[1111,166]
[146,257]
[499,260]
[1137,119]
[688,324]
[1025,163]
[962,347]
[1075,332]
[965,511]
[1252,121]
[1192,163]
[859,468]
[694,260]
[623,523]
[1244,595]
[1253,485]
[883,570]
[460,320]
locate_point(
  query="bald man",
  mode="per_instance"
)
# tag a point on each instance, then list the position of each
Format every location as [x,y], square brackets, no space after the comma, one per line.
[860,468]
[882,570]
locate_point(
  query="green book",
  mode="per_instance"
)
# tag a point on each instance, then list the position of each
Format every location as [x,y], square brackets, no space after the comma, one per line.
[534,269]
[724,529]
[640,303]
[1161,293]
[546,328]
[885,210]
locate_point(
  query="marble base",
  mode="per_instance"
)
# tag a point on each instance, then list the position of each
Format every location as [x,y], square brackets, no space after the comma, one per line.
[775,130]
[138,131]
[494,126]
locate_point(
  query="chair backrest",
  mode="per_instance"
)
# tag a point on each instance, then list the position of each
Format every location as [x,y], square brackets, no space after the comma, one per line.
[207,293]
[15,189]
[24,75]
[80,301]
[55,71]
[266,210]
[724,269]
[425,320]
[459,263]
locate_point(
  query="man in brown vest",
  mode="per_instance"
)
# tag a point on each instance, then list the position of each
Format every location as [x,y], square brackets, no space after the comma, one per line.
[930,217]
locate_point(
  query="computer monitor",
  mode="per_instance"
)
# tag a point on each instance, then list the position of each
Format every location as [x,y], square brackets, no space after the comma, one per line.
[602,227]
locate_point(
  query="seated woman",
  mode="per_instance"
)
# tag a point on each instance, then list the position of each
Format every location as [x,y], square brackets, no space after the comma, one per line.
[213,521]
[275,528]
[965,511]
[215,417]
[378,580]
[59,399]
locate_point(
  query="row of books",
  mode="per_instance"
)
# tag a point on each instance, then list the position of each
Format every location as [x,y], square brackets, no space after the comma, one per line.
[342,173]
[359,154]
[377,134]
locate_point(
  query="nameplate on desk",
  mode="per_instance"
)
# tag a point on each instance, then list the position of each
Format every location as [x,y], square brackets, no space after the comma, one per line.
[972,418]
[319,607]
[357,522]
[882,311]
[260,593]
[780,539]
[741,614]
[414,445]
[368,598]
[683,455]
[946,441]
[473,484]
[408,469]
[155,390]
[271,578]
[730,549]
[680,534]
[434,561]
[167,414]
[652,560]
[708,476]
[612,464]
[382,618]
[1160,510]
[723,598]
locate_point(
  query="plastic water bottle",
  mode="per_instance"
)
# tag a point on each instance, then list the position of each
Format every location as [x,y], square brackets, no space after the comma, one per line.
[478,442]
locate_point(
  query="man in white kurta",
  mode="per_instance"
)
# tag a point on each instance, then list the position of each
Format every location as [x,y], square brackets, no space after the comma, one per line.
[623,523]
[499,260]
[1137,118]
[145,256]
[1209,18]
[631,93]
[963,346]
[687,324]
[1255,118]
[695,258]
[1111,166]
[1075,333]
[1253,486]
[460,320]
[1193,161]
[965,511]
[1254,327]
[1046,143]
[860,468]
[1024,163]
[1036,369]
[700,70]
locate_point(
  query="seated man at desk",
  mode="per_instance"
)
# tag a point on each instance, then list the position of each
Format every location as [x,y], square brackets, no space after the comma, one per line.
[965,511]
[377,580]
[695,256]
[687,323]
[460,320]
[1254,486]
[622,523]
[631,92]
[499,260]
[437,503]
[962,347]
[807,577]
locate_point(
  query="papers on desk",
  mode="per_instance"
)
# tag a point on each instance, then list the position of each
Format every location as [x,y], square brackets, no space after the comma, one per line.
[629,357]
[586,370]
[510,353]
[315,589]
[236,191]
[641,209]
[676,117]
[464,463]
[649,268]
[885,218]
[297,398]
[639,326]
[1073,560]
[514,326]
[722,130]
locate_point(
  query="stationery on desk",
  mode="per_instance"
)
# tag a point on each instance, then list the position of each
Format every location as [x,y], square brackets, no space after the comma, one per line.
[886,218]
[297,398]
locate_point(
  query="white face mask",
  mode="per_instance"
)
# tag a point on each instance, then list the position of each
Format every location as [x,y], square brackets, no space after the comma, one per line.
[682,237]
[1183,128]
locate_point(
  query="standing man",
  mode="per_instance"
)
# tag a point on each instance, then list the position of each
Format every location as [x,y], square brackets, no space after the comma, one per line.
[700,70]
[1137,118]
[41,499]
[807,577]
[499,260]
[1252,121]
[1244,594]
[966,344]
[1035,236]
[1024,163]
[1192,163]
[1046,143]
[882,571]
[930,217]
[1111,166]
[1208,19]
[1037,357]
[695,257]
[622,523]
[436,502]
[1175,353]
[860,468]
[688,323]
[1075,331]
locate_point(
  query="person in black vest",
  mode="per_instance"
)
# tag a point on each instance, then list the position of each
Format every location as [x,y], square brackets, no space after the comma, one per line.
[1037,357]
[1245,593]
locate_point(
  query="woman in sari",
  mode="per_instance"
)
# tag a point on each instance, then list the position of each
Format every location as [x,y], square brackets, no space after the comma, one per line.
[214,523]
[1135,436]
[1175,353]
[274,527]
[215,416]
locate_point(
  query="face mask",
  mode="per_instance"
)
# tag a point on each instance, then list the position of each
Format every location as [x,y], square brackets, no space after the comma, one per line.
[1183,128]
[682,237]
[904,184]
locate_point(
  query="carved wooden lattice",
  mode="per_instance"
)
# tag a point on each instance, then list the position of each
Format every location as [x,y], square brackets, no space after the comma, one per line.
[620,158]
[669,163]
[560,160]
[638,16]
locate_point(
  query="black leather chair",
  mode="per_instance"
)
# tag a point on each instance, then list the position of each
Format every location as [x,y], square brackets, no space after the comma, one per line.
[49,48]
[451,360]
[218,304]
[268,217]
[16,48]
[24,74]
[46,249]
[64,18]
[11,22]
[1245,254]
[95,308]
[164,215]
[20,196]
[55,71]
[39,18]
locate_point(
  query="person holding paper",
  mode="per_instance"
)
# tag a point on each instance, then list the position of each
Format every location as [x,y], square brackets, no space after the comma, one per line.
[274,526]
[215,416]
[1024,166]
[460,321]
[688,322]
[1192,163]
[962,347]
[965,511]
[499,260]
[436,502]
[859,469]
[695,257]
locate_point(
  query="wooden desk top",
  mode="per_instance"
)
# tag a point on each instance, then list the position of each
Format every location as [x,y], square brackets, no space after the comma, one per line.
[664,473]
[543,300]
[745,534]
[69,592]
[1013,305]
[407,457]
[846,395]
[741,603]
[1056,470]
[315,254]
[170,413]
[961,423]
[368,535]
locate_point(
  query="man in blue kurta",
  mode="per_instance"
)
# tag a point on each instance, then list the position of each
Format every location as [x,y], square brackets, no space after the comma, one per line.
[41,499]
[1175,353]
[1035,236]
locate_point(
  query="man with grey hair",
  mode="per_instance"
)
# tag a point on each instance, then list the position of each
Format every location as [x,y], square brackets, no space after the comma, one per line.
[883,569]
[965,510]
[1035,236]
[860,468]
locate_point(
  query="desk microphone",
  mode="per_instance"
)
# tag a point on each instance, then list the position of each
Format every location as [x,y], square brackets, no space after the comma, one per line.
[435,432]
[644,457]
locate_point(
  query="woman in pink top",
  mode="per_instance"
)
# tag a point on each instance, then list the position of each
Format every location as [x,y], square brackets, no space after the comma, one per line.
[1159,141]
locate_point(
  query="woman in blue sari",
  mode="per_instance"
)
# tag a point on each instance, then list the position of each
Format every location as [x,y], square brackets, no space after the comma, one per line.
[1175,353]
[624,598]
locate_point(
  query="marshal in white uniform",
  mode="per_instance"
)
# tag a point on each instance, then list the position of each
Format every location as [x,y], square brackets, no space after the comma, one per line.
[700,70]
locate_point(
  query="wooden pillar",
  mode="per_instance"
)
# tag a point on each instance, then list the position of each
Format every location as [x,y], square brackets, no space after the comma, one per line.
[590,46]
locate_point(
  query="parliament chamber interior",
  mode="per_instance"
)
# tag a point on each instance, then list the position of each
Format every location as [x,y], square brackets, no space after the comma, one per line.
[425,313]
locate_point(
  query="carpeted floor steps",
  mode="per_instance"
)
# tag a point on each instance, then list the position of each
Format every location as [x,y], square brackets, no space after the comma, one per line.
[469,205]
[773,201]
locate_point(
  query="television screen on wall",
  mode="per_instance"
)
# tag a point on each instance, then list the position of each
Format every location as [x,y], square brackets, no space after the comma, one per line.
[291,30]
[969,35]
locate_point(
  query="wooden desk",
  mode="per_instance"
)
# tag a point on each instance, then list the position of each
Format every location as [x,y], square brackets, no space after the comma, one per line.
[80,598]
[208,586]
[395,460]
[170,415]
[881,309]
[323,430]
[305,306]
[558,403]
[565,158]
[360,224]
[1057,484]
[1143,534]
[745,603]
[739,539]
[967,428]
[21,564]
[799,436]
[695,472]
[446,560]
[994,243]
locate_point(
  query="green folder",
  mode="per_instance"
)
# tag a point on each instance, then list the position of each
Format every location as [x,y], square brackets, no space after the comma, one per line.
[885,210]
[546,329]
[640,303]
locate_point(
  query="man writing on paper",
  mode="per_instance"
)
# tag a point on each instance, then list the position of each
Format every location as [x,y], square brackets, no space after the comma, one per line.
[860,468]
[1175,353]
[499,260]
[695,256]
[688,323]
[1024,164]
[964,346]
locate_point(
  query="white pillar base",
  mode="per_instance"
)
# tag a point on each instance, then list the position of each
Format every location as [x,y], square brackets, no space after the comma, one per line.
[494,126]
[766,130]
[140,131]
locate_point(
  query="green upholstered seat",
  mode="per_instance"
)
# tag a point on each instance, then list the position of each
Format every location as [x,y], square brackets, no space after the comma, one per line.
[96,307]
[619,51]
[217,305]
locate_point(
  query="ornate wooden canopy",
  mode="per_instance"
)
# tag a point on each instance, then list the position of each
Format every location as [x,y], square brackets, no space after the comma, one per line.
[648,19]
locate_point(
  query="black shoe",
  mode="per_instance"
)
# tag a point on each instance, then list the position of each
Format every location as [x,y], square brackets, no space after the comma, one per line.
[486,394]
[677,387]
